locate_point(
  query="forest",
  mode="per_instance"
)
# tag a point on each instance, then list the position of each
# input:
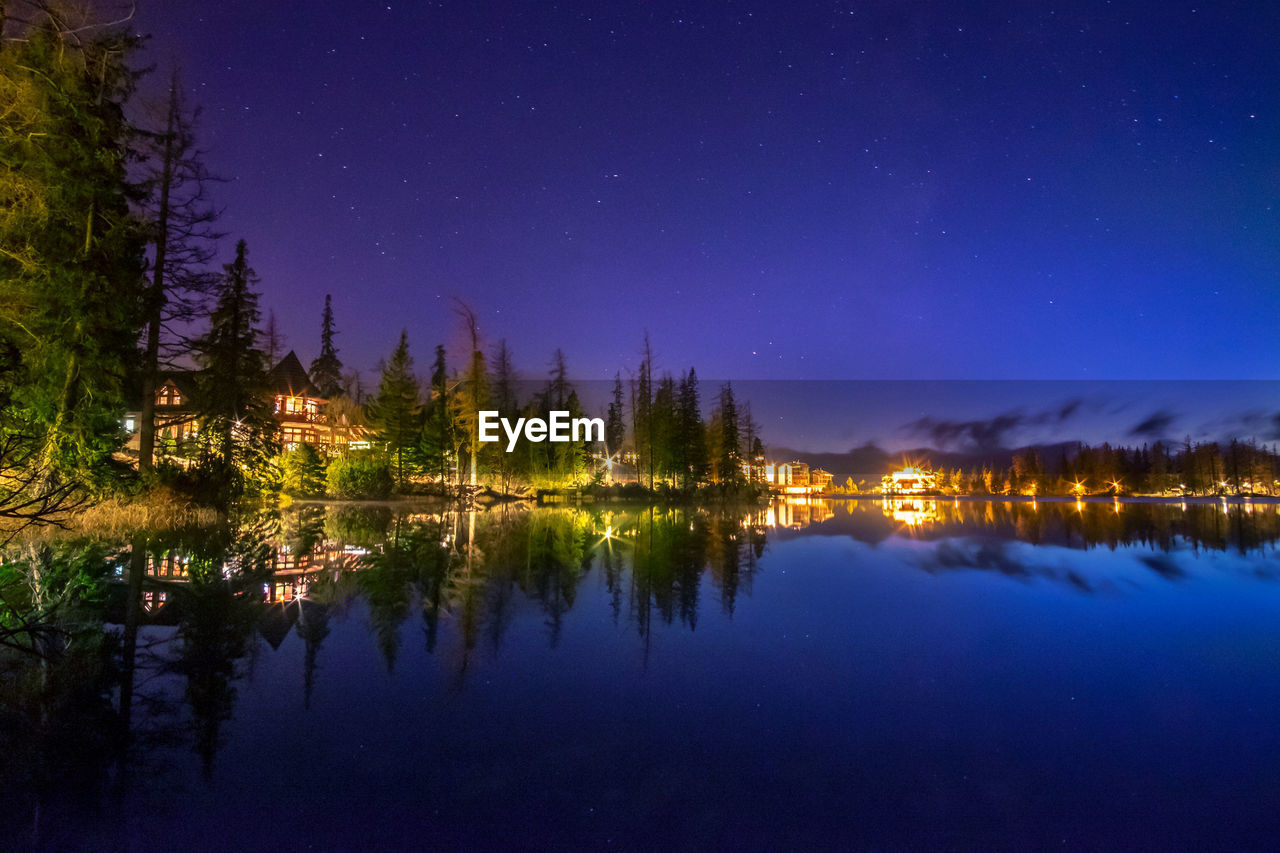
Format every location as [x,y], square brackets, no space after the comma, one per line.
[108,239]
[1189,468]
[108,285]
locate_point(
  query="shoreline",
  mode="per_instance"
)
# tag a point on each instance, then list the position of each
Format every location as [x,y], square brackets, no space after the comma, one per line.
[1097,499]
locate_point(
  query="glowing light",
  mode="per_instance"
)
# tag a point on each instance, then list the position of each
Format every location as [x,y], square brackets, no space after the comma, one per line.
[910,480]
[911,513]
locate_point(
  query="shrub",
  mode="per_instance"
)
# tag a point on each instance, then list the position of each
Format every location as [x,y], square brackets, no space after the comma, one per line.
[364,526]
[359,477]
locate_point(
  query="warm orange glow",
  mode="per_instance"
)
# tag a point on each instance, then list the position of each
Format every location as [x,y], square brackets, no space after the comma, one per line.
[911,513]
[910,480]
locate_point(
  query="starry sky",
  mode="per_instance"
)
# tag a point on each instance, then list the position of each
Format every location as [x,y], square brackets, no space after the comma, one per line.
[835,190]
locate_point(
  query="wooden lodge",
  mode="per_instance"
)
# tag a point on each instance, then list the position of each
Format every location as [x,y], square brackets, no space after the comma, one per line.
[296,404]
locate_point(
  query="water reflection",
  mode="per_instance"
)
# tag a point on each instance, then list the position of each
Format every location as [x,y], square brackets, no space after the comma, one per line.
[912,513]
[118,654]
[1211,525]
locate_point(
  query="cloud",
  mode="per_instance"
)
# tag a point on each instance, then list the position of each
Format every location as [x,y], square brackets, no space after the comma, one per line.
[1156,425]
[1261,424]
[1068,409]
[1165,566]
[992,433]
[1265,425]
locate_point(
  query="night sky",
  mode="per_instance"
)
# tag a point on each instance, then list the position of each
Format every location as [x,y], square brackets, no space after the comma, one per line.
[773,190]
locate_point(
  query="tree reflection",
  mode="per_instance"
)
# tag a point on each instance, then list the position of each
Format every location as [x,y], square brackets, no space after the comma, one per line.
[59,734]
[1216,525]
[218,609]
[114,649]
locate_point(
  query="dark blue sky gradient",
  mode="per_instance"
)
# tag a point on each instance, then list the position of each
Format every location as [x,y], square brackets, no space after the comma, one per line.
[773,190]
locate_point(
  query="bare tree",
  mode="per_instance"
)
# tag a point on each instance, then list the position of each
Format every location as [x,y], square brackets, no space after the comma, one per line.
[273,339]
[183,243]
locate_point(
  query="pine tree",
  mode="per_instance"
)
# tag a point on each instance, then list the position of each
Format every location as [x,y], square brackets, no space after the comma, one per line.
[471,396]
[70,253]
[503,398]
[642,417]
[235,415]
[395,408]
[751,444]
[326,370]
[667,452]
[573,458]
[558,387]
[559,461]
[614,426]
[692,433]
[438,433]
[729,447]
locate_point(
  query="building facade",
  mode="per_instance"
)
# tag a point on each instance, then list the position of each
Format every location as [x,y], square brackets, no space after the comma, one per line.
[297,405]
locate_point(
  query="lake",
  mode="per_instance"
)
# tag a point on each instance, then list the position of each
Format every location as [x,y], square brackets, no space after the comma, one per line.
[884,675]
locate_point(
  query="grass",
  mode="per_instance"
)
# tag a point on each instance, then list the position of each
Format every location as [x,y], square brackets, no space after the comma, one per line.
[159,508]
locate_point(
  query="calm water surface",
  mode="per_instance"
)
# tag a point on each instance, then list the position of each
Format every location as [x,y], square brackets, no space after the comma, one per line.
[856,675]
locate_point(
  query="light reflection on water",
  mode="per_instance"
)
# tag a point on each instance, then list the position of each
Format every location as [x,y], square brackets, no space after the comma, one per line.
[912,672]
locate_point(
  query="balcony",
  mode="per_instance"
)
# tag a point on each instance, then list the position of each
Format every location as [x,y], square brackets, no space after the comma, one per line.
[300,417]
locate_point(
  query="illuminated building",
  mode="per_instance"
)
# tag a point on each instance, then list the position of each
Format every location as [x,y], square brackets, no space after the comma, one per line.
[295,402]
[795,478]
[910,480]
[297,405]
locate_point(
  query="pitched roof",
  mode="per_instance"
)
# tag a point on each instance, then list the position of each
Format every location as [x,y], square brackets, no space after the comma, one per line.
[184,380]
[290,377]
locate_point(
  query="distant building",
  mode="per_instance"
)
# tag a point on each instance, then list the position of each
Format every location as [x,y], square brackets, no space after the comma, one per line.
[911,480]
[796,478]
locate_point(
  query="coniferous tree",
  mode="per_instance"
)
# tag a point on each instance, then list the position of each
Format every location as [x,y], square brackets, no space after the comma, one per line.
[326,370]
[750,442]
[471,397]
[70,253]
[667,452]
[395,409]
[756,454]
[558,386]
[642,417]
[614,426]
[692,433]
[558,462]
[235,414]
[573,458]
[437,440]
[503,399]
[728,460]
